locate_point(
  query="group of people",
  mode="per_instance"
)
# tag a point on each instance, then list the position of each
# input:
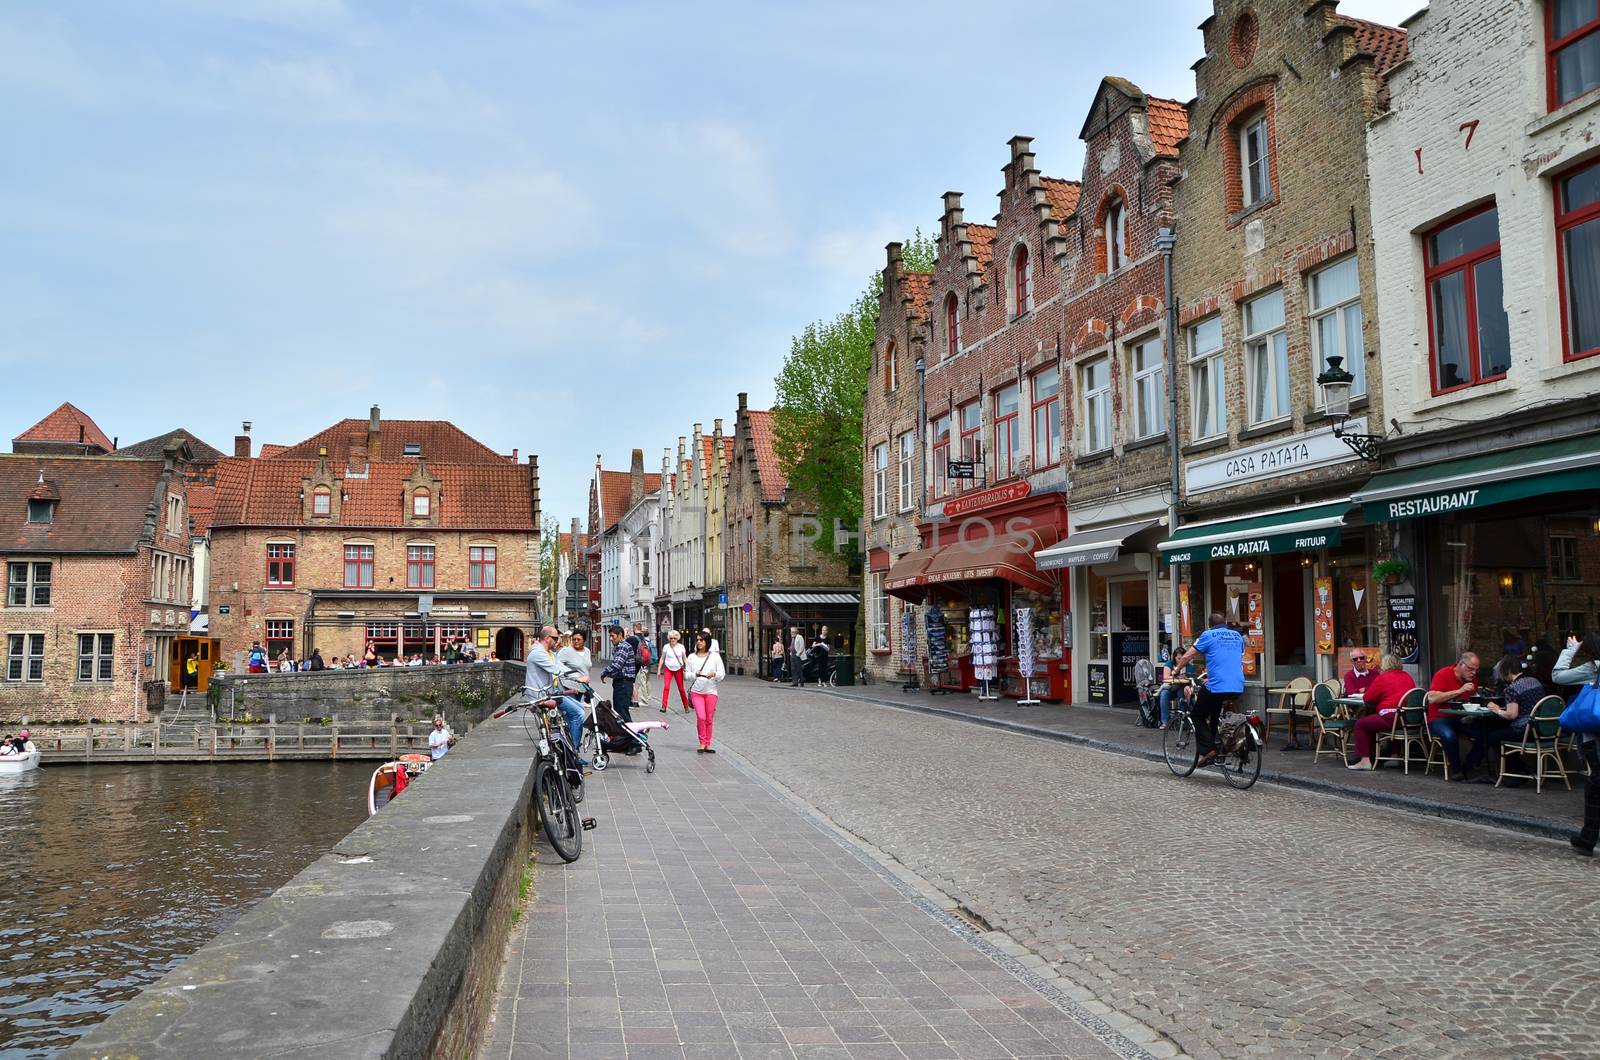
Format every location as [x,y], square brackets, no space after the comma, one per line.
[16,745]
[456,650]
[789,662]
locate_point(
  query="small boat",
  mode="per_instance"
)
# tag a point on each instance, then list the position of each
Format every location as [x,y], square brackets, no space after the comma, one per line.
[11,765]
[391,778]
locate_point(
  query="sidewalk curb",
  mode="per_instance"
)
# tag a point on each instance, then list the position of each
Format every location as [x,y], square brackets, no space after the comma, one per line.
[1534,826]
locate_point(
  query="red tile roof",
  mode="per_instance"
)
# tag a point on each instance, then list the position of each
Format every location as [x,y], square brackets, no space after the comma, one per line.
[104,502]
[152,448]
[487,496]
[202,507]
[564,546]
[1169,124]
[919,287]
[762,436]
[70,424]
[1386,44]
[270,449]
[615,488]
[982,239]
[1062,195]
[440,440]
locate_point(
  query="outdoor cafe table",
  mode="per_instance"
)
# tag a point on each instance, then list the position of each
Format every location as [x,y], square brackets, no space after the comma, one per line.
[1355,706]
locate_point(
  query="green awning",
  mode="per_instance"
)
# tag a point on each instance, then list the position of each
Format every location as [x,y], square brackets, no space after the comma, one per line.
[1475,481]
[1302,529]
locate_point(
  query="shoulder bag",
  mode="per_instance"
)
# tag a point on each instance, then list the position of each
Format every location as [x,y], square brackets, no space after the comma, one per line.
[1583,713]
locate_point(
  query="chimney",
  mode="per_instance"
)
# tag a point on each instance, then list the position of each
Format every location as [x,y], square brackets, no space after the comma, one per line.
[744,401]
[533,489]
[716,442]
[374,436]
[241,442]
[636,478]
[576,541]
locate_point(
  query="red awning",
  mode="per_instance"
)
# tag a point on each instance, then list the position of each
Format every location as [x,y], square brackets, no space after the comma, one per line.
[1006,556]
[905,576]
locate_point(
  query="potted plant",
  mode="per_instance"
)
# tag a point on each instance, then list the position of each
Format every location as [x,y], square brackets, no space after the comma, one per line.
[1390,571]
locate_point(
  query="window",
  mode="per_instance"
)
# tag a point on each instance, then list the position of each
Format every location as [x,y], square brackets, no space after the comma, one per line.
[1095,386]
[25,657]
[1208,396]
[1266,357]
[971,416]
[1578,228]
[1115,235]
[41,511]
[644,566]
[1467,327]
[879,603]
[419,566]
[907,455]
[1255,174]
[174,514]
[321,501]
[95,662]
[27,584]
[891,368]
[480,567]
[952,334]
[880,480]
[1022,277]
[1046,417]
[1563,558]
[941,455]
[280,563]
[419,504]
[358,566]
[280,637]
[1149,388]
[158,576]
[1336,320]
[1007,430]
[1572,42]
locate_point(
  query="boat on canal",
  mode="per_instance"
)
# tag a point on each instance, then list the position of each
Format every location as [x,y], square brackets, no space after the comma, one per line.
[391,778]
[12,765]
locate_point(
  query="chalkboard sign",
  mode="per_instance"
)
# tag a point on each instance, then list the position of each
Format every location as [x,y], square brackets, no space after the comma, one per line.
[1126,651]
[1404,640]
[1099,683]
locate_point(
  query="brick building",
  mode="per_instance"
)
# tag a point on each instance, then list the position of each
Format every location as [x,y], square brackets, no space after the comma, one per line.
[611,494]
[338,541]
[1485,177]
[96,554]
[1274,273]
[776,577]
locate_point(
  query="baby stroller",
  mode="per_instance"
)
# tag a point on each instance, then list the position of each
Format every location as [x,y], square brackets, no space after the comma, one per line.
[1144,679]
[612,736]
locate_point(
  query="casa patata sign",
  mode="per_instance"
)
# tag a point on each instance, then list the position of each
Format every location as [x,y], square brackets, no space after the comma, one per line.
[1287,456]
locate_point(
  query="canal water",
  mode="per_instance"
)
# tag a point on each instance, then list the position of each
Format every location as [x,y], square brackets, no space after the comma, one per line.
[111,874]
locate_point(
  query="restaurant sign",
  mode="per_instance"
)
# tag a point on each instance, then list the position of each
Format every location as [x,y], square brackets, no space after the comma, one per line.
[972,502]
[1303,452]
[1260,545]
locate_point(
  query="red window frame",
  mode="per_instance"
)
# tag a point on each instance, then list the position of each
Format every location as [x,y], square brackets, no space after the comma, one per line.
[952,321]
[1566,220]
[941,455]
[968,439]
[419,566]
[361,556]
[1553,45]
[481,563]
[1024,278]
[891,370]
[1466,263]
[280,563]
[280,632]
[1035,404]
[321,501]
[1012,428]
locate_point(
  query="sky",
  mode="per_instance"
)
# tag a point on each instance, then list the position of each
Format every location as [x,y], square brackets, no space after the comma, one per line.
[570,228]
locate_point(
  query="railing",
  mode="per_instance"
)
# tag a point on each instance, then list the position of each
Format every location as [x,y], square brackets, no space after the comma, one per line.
[266,740]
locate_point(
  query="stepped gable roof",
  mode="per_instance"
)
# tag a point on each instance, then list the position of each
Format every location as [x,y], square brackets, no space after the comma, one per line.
[152,448]
[202,508]
[471,496]
[615,488]
[103,504]
[764,438]
[68,424]
[1387,45]
[919,286]
[1062,195]
[441,440]
[1169,125]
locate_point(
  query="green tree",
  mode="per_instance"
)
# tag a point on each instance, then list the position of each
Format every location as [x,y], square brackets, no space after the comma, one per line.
[550,564]
[820,397]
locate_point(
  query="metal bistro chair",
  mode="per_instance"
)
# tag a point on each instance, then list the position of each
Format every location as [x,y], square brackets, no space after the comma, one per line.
[1294,700]
[1541,741]
[1410,726]
[1332,726]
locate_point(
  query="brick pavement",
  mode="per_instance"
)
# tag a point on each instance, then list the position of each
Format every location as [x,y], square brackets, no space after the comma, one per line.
[1270,922]
[711,917]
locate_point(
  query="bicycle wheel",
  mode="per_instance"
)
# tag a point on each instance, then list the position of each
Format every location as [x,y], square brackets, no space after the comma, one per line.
[557,812]
[1241,768]
[1180,746]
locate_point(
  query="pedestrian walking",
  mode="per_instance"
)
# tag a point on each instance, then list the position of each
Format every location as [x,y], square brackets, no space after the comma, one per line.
[641,687]
[670,669]
[775,659]
[620,671]
[820,649]
[706,669]
[1579,665]
[797,656]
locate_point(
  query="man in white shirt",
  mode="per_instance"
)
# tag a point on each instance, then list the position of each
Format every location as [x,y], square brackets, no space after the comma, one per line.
[439,740]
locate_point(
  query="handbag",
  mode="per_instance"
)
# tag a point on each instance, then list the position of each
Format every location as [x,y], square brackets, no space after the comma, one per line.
[1583,713]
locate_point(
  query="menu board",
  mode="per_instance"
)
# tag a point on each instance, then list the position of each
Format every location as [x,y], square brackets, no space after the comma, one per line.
[1323,615]
[1185,624]
[1404,641]
[1099,683]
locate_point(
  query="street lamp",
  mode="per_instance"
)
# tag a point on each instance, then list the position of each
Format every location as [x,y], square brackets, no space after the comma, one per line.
[1335,385]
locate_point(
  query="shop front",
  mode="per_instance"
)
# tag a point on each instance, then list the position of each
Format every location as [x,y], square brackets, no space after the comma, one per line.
[1500,552]
[814,613]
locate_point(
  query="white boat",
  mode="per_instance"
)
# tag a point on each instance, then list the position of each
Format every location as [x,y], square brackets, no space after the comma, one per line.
[391,778]
[22,763]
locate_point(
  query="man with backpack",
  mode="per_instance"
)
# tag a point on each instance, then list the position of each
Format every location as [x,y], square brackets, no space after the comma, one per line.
[642,685]
[258,659]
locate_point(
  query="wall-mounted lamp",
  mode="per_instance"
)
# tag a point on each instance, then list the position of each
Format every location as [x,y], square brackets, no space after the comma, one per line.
[1335,385]
[1505,583]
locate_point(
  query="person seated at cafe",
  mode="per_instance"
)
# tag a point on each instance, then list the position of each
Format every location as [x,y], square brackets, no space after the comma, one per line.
[1506,721]
[1449,686]
[1360,676]
[1383,695]
[1169,691]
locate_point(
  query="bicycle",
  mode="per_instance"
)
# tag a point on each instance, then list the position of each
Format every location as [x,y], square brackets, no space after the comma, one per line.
[810,665]
[1239,743]
[557,777]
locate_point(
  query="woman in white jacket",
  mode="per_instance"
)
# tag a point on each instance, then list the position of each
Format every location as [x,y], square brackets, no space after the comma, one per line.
[704,669]
[670,668]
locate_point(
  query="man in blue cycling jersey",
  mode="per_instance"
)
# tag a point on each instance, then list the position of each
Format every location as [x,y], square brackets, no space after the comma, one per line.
[1223,648]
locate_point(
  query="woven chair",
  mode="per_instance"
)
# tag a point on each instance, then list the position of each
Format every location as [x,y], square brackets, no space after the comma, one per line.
[1541,741]
[1409,728]
[1331,725]
[1294,700]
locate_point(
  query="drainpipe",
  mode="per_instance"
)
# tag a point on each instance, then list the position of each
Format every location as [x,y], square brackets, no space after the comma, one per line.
[922,430]
[1166,239]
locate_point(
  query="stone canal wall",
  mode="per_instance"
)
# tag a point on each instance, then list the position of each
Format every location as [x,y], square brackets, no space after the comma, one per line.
[465,694]
[387,946]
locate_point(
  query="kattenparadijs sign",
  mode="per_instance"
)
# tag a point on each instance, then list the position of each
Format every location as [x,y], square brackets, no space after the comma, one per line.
[1284,456]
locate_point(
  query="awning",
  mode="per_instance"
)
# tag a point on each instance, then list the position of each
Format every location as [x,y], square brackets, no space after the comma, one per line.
[847,599]
[1006,556]
[1302,529]
[1475,481]
[904,577]
[1090,546]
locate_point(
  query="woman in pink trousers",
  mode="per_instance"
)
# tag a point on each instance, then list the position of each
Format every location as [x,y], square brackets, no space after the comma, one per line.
[704,669]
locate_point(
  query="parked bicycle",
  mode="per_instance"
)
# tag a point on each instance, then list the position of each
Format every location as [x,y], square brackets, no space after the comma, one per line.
[1240,743]
[558,775]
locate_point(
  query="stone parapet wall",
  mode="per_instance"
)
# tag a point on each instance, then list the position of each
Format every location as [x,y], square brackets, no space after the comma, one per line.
[464,693]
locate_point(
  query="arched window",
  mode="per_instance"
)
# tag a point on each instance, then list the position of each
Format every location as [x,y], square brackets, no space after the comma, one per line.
[1022,271]
[891,370]
[952,336]
[421,502]
[321,501]
[1115,234]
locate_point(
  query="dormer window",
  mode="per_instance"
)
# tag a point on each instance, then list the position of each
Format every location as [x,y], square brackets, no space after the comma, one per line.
[321,501]
[413,449]
[421,504]
[41,511]
[1115,234]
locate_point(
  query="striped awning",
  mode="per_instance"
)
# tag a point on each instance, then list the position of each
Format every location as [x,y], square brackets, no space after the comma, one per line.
[852,599]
